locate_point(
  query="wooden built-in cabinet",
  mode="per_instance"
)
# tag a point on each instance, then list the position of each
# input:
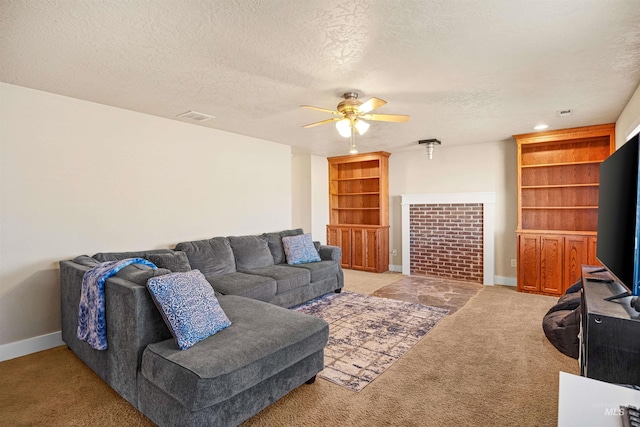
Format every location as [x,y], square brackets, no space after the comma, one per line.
[558,178]
[359,210]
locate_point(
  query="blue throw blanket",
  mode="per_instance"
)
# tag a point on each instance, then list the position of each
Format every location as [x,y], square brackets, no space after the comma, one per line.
[92,323]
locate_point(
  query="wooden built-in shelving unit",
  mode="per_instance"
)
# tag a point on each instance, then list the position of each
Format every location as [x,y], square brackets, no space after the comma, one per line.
[558,176]
[359,210]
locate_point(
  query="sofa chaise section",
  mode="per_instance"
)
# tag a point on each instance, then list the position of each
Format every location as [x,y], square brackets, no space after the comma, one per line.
[261,349]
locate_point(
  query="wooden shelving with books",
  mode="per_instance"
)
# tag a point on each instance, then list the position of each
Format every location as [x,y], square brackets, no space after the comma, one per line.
[359,210]
[558,176]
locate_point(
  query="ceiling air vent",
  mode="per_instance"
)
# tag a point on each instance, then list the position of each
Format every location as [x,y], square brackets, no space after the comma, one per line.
[564,113]
[195,116]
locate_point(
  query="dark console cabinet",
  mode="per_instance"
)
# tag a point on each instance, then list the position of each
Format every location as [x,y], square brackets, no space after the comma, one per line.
[610,336]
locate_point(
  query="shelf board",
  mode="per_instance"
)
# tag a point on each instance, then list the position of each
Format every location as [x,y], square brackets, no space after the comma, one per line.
[559,207]
[356,194]
[545,165]
[572,232]
[356,179]
[525,187]
[355,209]
[357,226]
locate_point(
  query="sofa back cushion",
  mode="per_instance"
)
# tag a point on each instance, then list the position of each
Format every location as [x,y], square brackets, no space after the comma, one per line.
[251,252]
[140,273]
[117,256]
[212,257]
[275,243]
[177,261]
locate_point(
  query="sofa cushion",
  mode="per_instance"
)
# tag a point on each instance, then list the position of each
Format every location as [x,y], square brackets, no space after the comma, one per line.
[212,257]
[176,261]
[140,273]
[86,260]
[274,240]
[286,277]
[320,270]
[262,341]
[188,306]
[247,285]
[116,256]
[250,252]
[300,249]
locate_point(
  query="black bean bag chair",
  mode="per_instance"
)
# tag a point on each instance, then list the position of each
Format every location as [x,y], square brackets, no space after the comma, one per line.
[561,324]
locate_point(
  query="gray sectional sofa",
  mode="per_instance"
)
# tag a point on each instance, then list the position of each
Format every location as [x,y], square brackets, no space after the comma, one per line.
[230,376]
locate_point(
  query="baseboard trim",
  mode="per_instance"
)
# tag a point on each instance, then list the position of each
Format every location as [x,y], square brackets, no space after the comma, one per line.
[507,281]
[30,345]
[395,268]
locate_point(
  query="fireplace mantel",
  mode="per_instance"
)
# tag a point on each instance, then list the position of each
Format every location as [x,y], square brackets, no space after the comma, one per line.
[488,200]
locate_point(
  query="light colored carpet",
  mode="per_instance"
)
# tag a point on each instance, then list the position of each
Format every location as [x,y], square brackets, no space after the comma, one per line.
[487,364]
[368,334]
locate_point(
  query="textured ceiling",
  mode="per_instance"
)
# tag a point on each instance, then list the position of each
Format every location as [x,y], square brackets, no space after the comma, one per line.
[466,71]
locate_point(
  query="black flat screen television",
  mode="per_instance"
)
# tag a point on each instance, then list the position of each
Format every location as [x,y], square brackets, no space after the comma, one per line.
[619,215]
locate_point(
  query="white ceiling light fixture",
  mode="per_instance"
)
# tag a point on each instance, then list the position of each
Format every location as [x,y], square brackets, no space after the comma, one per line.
[541,127]
[429,143]
[344,127]
[362,126]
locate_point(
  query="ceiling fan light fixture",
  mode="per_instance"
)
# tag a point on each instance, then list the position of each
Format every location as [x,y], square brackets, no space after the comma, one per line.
[362,126]
[344,127]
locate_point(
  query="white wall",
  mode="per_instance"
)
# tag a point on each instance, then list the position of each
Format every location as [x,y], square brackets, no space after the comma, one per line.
[310,193]
[300,192]
[319,198]
[471,168]
[79,178]
[629,119]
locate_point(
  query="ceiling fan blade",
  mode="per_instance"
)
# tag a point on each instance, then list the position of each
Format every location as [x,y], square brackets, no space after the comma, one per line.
[371,104]
[321,109]
[386,117]
[320,123]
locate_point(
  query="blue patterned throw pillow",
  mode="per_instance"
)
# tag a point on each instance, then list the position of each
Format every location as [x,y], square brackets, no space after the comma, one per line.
[188,305]
[300,249]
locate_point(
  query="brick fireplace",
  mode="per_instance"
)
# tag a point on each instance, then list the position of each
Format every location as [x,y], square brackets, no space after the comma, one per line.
[449,235]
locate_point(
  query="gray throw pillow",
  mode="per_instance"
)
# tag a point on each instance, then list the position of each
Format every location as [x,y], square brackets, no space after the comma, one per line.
[274,240]
[176,261]
[300,249]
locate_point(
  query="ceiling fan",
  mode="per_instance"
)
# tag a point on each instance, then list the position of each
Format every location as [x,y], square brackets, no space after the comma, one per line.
[351,114]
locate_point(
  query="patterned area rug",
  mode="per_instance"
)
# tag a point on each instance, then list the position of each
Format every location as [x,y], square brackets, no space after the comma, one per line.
[368,334]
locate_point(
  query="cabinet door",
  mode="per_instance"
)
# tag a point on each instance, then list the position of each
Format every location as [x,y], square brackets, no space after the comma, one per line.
[576,250]
[341,237]
[371,243]
[551,259]
[529,262]
[358,248]
[591,251]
